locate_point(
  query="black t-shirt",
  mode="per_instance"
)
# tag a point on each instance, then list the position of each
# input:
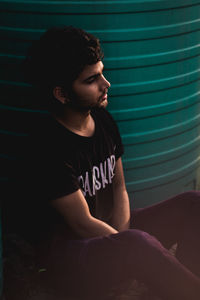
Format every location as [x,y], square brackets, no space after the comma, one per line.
[59,162]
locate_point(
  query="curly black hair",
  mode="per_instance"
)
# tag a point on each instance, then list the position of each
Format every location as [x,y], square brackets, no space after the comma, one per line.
[59,57]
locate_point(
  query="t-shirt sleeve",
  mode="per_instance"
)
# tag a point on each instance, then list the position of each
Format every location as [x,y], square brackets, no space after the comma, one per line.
[61,180]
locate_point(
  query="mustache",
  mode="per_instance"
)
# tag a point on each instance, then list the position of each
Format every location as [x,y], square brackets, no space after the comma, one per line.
[103,95]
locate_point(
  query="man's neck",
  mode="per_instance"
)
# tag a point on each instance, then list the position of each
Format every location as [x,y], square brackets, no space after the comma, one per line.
[78,122]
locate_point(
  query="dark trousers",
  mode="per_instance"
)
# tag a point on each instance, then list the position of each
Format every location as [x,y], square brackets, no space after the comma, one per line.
[93,266]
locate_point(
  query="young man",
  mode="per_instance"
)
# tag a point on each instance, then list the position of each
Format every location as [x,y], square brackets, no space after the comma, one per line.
[77,206]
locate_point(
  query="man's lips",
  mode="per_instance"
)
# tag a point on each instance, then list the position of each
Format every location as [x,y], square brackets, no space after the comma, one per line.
[104,97]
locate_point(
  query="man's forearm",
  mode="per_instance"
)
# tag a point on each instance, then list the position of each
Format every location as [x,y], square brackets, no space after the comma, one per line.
[121,211]
[94,227]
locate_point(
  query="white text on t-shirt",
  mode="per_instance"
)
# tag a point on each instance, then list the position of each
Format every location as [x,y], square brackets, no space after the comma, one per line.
[98,177]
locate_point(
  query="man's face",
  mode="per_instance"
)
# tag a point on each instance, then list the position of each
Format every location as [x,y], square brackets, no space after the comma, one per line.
[90,88]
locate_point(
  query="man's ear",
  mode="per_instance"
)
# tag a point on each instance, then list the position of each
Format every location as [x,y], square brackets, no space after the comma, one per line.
[60,94]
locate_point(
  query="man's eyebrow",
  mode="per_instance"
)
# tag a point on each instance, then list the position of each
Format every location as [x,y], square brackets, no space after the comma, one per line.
[94,75]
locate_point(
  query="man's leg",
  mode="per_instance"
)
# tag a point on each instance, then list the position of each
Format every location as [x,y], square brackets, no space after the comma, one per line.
[176,220]
[94,266]
[134,254]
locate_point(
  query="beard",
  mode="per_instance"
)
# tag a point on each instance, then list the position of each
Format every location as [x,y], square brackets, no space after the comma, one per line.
[81,105]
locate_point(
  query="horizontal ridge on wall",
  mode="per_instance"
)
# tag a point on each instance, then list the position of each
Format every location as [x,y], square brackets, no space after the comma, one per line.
[106,35]
[146,25]
[160,132]
[163,178]
[141,60]
[106,6]
[146,111]
[158,157]
[135,80]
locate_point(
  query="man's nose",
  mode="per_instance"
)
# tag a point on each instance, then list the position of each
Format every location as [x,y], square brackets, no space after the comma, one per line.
[106,82]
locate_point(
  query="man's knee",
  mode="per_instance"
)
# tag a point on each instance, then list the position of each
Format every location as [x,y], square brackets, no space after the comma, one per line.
[194,195]
[186,200]
[137,239]
[192,199]
[139,248]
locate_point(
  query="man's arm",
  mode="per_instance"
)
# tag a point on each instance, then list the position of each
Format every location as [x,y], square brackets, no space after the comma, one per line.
[121,208]
[75,210]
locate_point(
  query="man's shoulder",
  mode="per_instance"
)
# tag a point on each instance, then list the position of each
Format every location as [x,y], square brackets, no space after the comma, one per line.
[47,138]
[47,129]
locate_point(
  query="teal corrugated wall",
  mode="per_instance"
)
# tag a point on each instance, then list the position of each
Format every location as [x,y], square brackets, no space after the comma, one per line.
[155,98]
[152,60]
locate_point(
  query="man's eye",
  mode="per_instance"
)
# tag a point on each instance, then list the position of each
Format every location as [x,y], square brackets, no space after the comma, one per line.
[90,80]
